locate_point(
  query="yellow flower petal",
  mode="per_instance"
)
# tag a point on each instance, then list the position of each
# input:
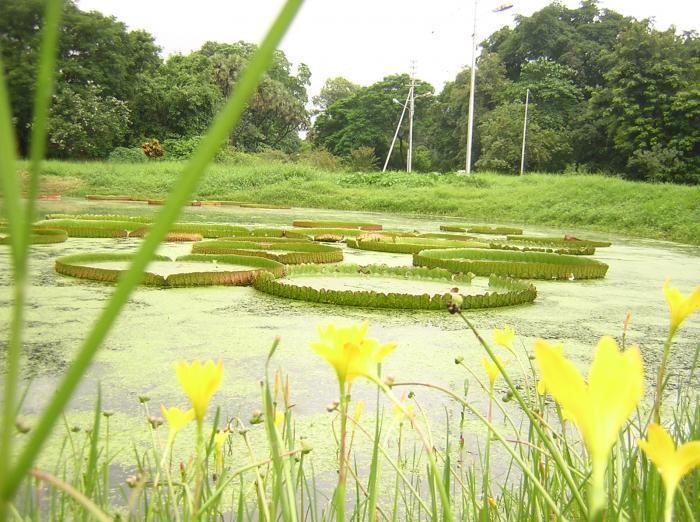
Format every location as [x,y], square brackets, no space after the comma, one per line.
[491,369]
[357,411]
[601,407]
[200,381]
[679,305]
[673,464]
[176,418]
[504,337]
[350,352]
[219,440]
[279,419]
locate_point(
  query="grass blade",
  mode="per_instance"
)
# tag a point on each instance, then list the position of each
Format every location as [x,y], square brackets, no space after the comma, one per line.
[19,224]
[186,184]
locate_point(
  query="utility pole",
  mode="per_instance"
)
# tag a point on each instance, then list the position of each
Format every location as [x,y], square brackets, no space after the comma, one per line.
[472,86]
[398,127]
[522,156]
[411,112]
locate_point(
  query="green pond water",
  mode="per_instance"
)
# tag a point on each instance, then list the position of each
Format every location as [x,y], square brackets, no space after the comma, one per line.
[238,324]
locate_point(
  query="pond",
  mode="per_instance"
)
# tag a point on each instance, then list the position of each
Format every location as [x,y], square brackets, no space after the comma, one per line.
[238,324]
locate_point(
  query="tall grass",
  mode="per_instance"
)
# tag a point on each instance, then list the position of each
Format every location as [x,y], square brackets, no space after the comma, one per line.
[592,202]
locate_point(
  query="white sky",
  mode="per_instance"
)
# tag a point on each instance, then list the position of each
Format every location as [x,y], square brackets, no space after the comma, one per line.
[362,40]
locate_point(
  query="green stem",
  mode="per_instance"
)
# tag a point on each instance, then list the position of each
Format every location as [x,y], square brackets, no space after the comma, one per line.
[554,451]
[185,186]
[526,469]
[596,496]
[660,377]
[487,458]
[342,457]
[430,451]
[668,505]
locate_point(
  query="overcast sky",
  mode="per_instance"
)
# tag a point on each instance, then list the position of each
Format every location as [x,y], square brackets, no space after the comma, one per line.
[362,40]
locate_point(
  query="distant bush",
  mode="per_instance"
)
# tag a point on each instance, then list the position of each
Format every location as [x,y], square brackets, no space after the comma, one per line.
[320,159]
[152,148]
[658,164]
[273,155]
[388,179]
[422,159]
[362,159]
[180,149]
[127,155]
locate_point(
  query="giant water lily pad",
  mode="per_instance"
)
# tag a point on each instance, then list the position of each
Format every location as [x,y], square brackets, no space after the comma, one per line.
[527,265]
[381,286]
[190,270]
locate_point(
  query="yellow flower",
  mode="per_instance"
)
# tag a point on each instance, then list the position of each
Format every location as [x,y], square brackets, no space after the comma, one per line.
[491,369]
[681,307]
[279,419]
[357,411]
[199,381]
[673,464]
[349,352]
[504,337]
[176,419]
[600,407]
[404,410]
[541,388]
[219,440]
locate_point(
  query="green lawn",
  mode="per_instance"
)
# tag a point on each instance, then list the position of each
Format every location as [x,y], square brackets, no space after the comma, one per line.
[593,202]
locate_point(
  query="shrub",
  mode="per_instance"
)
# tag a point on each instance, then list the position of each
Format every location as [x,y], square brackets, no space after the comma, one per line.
[422,159]
[152,148]
[362,159]
[127,155]
[320,159]
[183,148]
[273,155]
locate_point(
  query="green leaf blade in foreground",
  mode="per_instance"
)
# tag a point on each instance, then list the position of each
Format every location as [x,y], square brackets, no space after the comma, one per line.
[186,184]
[19,222]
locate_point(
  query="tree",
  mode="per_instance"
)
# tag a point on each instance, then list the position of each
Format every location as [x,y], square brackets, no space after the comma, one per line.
[335,89]
[650,104]
[501,141]
[278,108]
[369,118]
[576,38]
[93,50]
[448,124]
[85,124]
[178,100]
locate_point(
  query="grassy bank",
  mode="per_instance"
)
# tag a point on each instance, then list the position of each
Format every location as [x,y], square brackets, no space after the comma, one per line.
[593,202]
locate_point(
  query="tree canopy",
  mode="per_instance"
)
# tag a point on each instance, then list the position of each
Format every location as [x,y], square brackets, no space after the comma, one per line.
[608,93]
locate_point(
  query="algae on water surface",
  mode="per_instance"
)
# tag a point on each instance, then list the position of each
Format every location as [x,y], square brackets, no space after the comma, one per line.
[159,327]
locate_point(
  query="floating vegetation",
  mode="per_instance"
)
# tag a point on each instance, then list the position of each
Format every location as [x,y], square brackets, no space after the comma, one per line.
[91,228]
[39,236]
[336,224]
[481,229]
[572,250]
[104,226]
[455,237]
[527,265]
[289,253]
[182,236]
[108,197]
[408,245]
[101,217]
[264,205]
[505,291]
[82,266]
[559,241]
